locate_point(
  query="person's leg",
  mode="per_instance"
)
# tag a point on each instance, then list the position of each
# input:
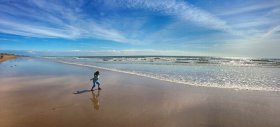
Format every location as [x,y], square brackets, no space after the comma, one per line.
[98,84]
[93,85]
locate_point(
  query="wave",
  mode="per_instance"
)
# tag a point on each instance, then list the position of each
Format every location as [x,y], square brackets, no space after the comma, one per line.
[168,78]
[188,60]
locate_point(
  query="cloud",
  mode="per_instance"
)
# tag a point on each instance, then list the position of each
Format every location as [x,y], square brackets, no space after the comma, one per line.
[181,9]
[44,19]
[137,22]
[124,52]
[75,50]
[56,19]
[248,8]
[272,31]
[13,27]
[274,11]
[250,19]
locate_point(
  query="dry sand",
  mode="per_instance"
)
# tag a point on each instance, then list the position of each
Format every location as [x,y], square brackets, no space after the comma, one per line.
[4,57]
[38,93]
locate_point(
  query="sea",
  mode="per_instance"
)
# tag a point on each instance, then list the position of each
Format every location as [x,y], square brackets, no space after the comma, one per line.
[219,72]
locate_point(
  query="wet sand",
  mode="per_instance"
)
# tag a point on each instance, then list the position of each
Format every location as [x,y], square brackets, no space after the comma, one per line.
[47,94]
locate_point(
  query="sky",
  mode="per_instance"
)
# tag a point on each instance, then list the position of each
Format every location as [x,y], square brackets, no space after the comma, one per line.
[235,28]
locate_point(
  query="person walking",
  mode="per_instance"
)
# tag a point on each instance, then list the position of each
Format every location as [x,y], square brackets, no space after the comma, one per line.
[95,81]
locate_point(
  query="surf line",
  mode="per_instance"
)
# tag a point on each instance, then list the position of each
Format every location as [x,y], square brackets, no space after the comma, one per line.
[170,80]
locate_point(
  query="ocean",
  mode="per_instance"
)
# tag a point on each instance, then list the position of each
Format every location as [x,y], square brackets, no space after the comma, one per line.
[235,73]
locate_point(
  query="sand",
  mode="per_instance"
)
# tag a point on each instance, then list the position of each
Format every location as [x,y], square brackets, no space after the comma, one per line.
[4,57]
[40,93]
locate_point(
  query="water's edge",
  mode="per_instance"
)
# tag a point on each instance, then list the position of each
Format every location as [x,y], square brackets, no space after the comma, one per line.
[165,79]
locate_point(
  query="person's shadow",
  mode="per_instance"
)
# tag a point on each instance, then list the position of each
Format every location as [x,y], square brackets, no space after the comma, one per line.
[81,91]
[95,100]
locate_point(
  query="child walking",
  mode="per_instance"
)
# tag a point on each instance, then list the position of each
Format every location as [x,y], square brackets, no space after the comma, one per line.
[95,80]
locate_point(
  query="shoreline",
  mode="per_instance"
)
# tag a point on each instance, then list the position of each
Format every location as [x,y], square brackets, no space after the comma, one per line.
[41,93]
[5,57]
[166,80]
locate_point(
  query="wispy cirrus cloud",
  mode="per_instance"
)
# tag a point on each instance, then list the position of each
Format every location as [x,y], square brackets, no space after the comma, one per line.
[272,31]
[103,52]
[54,20]
[249,8]
[251,19]
[158,24]
[180,9]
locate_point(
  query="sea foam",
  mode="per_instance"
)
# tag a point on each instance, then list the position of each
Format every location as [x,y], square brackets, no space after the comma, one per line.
[233,74]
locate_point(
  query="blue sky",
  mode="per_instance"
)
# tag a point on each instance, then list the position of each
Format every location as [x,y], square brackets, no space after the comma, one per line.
[238,28]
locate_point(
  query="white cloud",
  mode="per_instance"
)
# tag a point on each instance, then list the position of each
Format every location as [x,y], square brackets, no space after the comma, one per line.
[125,52]
[272,31]
[44,19]
[275,11]
[248,8]
[54,20]
[181,9]
[237,32]
[14,27]
[75,50]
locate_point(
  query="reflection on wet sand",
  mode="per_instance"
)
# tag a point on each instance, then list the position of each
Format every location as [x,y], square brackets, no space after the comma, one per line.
[39,93]
[95,100]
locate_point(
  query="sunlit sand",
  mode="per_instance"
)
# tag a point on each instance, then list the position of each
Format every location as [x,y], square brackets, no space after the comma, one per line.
[60,96]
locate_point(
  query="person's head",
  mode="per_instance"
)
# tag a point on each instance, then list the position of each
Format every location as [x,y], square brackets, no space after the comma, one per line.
[96,73]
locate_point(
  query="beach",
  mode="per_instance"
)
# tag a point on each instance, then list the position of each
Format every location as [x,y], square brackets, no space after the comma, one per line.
[4,57]
[39,92]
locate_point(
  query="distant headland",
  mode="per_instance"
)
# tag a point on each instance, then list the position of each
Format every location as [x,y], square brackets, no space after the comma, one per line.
[7,56]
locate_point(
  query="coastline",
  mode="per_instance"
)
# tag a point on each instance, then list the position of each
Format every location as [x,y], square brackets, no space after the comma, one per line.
[4,57]
[45,96]
[237,75]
